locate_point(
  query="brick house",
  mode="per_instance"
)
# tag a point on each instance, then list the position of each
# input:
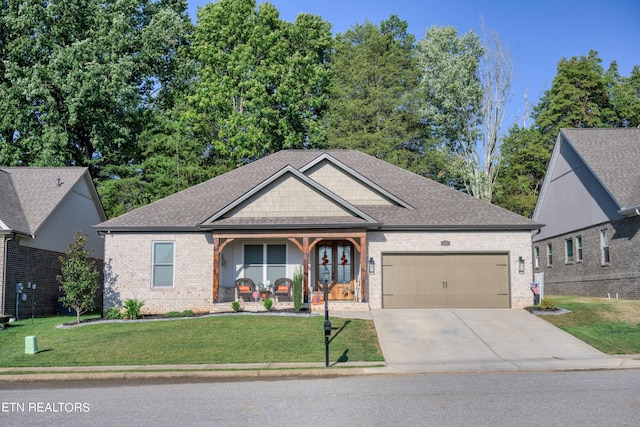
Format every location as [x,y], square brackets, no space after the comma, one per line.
[590,205]
[384,238]
[40,211]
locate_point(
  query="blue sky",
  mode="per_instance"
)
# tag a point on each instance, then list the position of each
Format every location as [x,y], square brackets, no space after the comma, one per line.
[537,33]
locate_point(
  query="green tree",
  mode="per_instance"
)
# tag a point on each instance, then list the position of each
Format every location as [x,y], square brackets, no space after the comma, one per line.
[372,106]
[79,277]
[524,157]
[578,98]
[452,94]
[82,75]
[624,95]
[261,82]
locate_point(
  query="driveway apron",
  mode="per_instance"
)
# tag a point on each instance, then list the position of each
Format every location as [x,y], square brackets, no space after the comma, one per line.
[439,340]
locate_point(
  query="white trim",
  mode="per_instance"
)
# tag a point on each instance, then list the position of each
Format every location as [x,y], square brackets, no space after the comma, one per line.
[153,263]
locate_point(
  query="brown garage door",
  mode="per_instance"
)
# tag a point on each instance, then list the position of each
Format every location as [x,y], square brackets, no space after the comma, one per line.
[445,280]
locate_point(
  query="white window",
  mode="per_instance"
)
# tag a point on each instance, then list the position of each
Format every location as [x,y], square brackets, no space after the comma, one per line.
[163,261]
[604,243]
[549,255]
[264,263]
[536,257]
[579,248]
[568,251]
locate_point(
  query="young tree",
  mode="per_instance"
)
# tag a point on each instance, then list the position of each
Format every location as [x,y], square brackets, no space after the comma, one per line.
[79,277]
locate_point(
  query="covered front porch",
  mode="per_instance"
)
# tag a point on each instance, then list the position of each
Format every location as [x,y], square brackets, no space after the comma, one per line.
[262,258]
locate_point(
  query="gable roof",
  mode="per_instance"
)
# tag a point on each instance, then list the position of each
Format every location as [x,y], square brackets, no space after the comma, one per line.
[410,201]
[30,195]
[612,157]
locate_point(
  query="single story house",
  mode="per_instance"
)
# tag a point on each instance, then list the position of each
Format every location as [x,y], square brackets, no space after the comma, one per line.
[590,205]
[40,211]
[384,238]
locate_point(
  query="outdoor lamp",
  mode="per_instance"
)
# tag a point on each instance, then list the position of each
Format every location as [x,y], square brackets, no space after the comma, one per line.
[325,275]
[521,265]
[372,266]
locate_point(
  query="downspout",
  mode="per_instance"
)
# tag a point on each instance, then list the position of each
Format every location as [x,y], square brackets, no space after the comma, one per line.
[4,272]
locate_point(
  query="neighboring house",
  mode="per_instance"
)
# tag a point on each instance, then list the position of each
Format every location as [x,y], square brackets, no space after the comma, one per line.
[590,205]
[385,236]
[40,211]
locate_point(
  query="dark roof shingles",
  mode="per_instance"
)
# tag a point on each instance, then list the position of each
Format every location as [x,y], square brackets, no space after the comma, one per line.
[612,154]
[434,203]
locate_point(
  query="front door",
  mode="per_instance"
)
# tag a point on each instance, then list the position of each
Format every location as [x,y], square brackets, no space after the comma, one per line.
[336,258]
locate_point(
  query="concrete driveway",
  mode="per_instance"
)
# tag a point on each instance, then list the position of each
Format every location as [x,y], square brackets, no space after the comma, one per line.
[445,340]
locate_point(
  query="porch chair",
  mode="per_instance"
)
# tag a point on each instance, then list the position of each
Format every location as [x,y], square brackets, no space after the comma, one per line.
[244,289]
[282,289]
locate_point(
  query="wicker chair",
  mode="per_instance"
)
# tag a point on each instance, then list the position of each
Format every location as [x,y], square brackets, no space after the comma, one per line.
[244,289]
[283,288]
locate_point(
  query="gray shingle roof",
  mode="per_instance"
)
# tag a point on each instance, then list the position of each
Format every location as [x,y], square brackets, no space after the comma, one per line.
[28,195]
[612,155]
[434,205]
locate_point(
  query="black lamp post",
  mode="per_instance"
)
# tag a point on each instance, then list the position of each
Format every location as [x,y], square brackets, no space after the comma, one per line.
[327,325]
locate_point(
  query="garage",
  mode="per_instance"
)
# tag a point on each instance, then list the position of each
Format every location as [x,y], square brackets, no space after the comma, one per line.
[445,280]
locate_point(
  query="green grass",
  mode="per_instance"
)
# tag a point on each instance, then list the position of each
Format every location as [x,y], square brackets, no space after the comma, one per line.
[611,326]
[216,340]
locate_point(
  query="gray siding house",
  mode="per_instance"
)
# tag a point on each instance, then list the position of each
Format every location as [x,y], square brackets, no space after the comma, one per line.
[590,205]
[40,211]
[383,236]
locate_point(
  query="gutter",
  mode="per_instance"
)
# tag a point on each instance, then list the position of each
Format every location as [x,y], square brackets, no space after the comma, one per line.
[635,211]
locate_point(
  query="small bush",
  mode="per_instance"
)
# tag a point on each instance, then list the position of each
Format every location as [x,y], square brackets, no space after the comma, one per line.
[268,303]
[113,313]
[547,304]
[132,309]
[297,288]
[235,306]
[185,313]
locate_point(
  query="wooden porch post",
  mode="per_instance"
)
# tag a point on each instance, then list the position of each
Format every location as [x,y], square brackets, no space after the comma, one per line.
[363,268]
[216,273]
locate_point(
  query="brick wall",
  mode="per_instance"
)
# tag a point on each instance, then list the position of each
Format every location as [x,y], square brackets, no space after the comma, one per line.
[515,243]
[37,266]
[592,277]
[128,272]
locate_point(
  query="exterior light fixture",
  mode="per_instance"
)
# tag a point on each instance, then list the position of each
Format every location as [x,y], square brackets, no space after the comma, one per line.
[521,265]
[372,266]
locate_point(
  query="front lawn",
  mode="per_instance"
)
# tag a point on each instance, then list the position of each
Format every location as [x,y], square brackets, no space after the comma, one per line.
[223,339]
[612,326]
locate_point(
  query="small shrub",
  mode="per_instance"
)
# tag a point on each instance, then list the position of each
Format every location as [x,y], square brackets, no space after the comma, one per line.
[547,304]
[132,309]
[235,306]
[297,289]
[185,313]
[113,313]
[268,303]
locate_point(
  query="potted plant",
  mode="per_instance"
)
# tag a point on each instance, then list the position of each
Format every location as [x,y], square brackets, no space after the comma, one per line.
[263,290]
